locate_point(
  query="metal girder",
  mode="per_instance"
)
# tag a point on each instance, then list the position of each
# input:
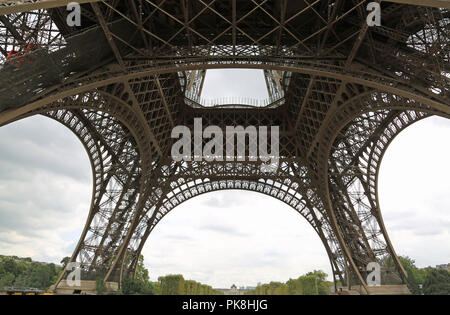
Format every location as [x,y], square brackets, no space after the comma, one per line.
[135,72]
[108,34]
[15,6]
[428,3]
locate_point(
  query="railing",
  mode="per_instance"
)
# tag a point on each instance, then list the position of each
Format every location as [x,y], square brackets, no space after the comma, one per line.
[196,101]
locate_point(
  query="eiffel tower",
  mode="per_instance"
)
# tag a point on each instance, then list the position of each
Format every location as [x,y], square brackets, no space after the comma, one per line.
[340,91]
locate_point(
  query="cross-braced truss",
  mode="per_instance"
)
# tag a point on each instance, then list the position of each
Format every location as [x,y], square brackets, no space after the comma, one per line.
[340,91]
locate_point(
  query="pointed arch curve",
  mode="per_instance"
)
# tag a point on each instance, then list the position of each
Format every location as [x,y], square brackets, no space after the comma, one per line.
[353,158]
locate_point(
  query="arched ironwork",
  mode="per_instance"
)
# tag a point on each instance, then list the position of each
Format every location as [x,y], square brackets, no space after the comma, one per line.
[340,92]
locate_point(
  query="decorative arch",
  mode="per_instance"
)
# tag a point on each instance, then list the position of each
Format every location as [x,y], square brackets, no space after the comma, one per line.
[116,143]
[182,190]
[359,138]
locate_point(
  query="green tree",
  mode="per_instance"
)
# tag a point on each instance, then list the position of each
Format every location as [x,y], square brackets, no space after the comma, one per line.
[156,288]
[437,282]
[412,283]
[22,273]
[142,274]
[64,262]
[140,282]
[172,285]
[10,266]
[100,286]
[2,269]
[293,287]
[312,283]
[7,280]
[134,286]
[190,287]
[276,288]
[309,285]
[416,276]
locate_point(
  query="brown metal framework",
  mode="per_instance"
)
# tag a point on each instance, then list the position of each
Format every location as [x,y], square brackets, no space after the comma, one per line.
[341,92]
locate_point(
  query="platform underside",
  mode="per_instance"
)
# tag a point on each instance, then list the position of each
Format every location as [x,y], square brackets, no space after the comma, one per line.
[340,92]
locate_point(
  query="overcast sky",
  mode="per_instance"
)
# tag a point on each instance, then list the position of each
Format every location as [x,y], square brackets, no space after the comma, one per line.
[221,238]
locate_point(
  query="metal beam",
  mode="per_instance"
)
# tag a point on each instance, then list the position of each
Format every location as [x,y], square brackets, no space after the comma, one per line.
[427,3]
[10,27]
[108,34]
[15,6]
[335,122]
[164,100]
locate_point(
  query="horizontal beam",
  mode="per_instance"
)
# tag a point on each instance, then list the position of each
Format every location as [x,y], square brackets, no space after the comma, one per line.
[79,87]
[15,6]
[426,3]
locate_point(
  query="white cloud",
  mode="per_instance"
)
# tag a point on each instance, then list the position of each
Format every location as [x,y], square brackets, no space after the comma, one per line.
[235,83]
[260,239]
[414,192]
[45,189]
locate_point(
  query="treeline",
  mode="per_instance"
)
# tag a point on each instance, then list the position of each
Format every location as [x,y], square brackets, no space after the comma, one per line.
[176,285]
[167,285]
[421,281]
[426,281]
[23,273]
[312,283]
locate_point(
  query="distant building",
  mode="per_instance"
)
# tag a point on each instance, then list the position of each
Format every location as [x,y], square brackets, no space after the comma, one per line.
[233,290]
[443,267]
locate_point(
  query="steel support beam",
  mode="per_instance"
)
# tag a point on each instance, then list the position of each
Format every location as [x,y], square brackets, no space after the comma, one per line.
[11,6]
[348,90]
[427,3]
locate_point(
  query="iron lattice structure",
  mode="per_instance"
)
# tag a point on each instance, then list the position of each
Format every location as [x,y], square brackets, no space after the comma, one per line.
[339,90]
